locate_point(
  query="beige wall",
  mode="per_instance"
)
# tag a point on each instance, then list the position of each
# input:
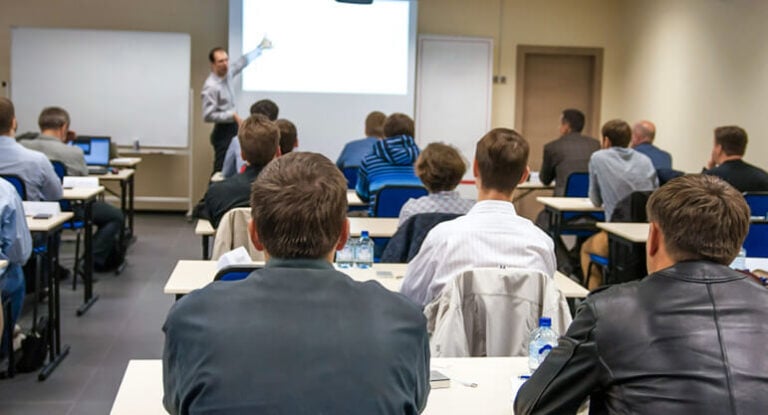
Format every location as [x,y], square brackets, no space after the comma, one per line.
[688,65]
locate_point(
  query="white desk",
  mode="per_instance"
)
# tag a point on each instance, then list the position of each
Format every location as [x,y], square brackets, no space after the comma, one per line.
[524,189]
[86,196]
[569,204]
[632,232]
[141,391]
[204,229]
[131,162]
[190,275]
[376,227]
[757,263]
[125,178]
[353,199]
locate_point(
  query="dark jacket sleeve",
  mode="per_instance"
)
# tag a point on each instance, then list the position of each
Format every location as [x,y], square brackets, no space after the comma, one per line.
[422,380]
[569,373]
[547,173]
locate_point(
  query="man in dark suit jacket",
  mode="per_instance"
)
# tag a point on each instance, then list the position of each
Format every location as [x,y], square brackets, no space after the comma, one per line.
[296,337]
[568,154]
[727,164]
[688,339]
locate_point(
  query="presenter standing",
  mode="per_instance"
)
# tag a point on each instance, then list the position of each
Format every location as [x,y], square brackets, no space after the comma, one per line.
[219,98]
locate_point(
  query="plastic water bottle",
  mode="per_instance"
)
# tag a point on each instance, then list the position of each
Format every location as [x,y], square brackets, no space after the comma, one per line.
[364,251]
[345,257]
[543,340]
[740,262]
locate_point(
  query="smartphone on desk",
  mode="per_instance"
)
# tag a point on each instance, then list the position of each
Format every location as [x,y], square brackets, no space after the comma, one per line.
[42,216]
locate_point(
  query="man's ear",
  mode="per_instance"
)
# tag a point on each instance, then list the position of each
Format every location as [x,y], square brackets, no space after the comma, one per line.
[278,152]
[344,235]
[254,235]
[526,173]
[475,170]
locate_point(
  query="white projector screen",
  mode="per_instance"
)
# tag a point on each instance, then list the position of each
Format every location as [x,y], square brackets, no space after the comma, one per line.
[330,65]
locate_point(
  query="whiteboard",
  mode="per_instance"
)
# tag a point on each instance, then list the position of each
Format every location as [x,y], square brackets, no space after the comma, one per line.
[127,85]
[454,77]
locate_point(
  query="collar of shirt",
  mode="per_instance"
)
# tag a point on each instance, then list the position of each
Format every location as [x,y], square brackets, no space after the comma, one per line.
[447,194]
[298,263]
[492,206]
[6,140]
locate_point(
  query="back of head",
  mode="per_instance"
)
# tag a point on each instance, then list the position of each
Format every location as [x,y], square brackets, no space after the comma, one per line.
[7,114]
[288,135]
[398,124]
[618,132]
[53,118]
[501,157]
[259,140]
[732,139]
[374,124]
[440,167]
[645,131]
[701,217]
[574,118]
[267,108]
[299,206]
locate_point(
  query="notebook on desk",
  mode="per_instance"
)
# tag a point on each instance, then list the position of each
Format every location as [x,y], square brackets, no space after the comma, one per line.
[96,151]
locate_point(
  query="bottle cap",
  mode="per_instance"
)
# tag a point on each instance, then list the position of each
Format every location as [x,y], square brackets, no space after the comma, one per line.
[545,322]
[364,234]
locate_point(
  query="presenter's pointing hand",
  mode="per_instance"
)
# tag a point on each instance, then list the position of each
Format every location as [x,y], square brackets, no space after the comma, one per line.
[265,43]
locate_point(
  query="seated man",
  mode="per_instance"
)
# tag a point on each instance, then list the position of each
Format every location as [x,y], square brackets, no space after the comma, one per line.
[353,152]
[614,173]
[391,160]
[643,134]
[568,154]
[289,138]
[688,339]
[32,167]
[260,143]
[296,336]
[15,247]
[440,167]
[727,161]
[54,125]
[233,160]
[491,234]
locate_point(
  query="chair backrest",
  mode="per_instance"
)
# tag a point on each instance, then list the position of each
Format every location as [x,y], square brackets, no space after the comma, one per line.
[235,272]
[59,168]
[577,185]
[233,233]
[350,173]
[17,183]
[632,208]
[406,242]
[756,242]
[758,203]
[391,198]
[492,311]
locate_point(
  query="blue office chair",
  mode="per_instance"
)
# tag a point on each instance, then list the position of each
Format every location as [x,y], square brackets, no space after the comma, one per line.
[350,173]
[577,185]
[235,272]
[391,198]
[756,243]
[73,224]
[16,181]
[758,203]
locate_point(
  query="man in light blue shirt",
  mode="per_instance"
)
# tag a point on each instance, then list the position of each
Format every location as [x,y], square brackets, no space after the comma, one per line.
[32,167]
[15,247]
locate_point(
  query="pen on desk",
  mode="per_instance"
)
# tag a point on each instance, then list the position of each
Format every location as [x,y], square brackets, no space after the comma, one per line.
[465,383]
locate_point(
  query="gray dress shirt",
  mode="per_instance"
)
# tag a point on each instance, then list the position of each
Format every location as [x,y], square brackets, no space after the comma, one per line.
[218,95]
[71,156]
[32,167]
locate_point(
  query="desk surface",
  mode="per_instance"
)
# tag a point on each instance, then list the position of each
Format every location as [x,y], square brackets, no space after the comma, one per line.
[141,390]
[633,232]
[3,264]
[190,275]
[203,227]
[353,200]
[82,193]
[534,186]
[45,225]
[125,162]
[569,204]
[376,227]
[122,174]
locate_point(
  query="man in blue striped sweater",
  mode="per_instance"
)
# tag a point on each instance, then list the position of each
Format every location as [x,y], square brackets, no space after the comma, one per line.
[391,161]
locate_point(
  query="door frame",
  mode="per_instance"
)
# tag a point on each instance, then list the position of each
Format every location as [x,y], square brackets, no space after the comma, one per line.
[522,53]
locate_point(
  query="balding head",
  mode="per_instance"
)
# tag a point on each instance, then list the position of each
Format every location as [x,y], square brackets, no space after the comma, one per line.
[643,132]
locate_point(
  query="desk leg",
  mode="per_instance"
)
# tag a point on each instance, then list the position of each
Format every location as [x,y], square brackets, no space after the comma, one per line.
[206,239]
[131,182]
[55,353]
[524,193]
[89,298]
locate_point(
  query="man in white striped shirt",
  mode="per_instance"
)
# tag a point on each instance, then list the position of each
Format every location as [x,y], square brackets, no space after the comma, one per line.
[491,234]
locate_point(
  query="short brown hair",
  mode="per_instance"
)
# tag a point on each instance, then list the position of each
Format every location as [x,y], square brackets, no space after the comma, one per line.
[374,124]
[288,135]
[7,114]
[398,124]
[502,157]
[259,140]
[52,118]
[440,167]
[299,206]
[618,132]
[701,217]
[212,53]
[265,107]
[732,139]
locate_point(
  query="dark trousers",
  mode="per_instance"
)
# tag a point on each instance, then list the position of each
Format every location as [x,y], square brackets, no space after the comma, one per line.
[220,137]
[108,220]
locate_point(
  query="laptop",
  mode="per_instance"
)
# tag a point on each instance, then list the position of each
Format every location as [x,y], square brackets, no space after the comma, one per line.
[96,150]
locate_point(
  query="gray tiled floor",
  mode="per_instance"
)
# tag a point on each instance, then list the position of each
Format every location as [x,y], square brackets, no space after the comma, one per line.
[124,324]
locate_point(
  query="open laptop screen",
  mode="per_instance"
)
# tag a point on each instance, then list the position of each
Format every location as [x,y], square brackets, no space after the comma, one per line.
[96,150]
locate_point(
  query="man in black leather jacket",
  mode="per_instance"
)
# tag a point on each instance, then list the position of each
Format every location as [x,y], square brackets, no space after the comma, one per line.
[690,338]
